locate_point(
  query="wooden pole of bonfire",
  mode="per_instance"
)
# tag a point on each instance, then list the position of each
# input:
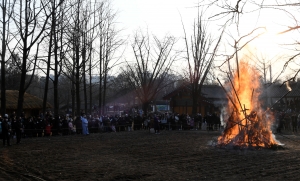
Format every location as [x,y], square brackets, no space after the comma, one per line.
[237,96]
[242,127]
[253,132]
[236,109]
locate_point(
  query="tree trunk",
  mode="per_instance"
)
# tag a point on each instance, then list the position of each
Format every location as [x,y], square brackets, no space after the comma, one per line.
[104,92]
[73,93]
[22,83]
[77,81]
[3,82]
[195,95]
[145,107]
[56,74]
[90,82]
[83,72]
[100,74]
[47,73]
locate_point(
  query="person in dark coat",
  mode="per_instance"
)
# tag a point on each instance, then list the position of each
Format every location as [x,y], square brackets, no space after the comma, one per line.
[56,125]
[294,122]
[209,121]
[200,121]
[6,130]
[28,126]
[18,129]
[156,125]
[281,122]
[78,125]
[128,122]
[1,120]
[40,127]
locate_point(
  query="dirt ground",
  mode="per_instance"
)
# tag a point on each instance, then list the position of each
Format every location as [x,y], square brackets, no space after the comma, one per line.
[140,155]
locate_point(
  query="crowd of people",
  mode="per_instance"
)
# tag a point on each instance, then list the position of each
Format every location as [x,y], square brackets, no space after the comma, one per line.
[287,120]
[16,128]
[13,127]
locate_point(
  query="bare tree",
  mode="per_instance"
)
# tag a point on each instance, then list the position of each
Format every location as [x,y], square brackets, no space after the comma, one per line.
[94,40]
[55,50]
[90,24]
[153,62]
[74,62]
[7,10]
[109,43]
[200,55]
[233,12]
[30,20]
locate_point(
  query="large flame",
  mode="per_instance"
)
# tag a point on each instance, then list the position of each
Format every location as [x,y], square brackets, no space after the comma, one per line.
[248,125]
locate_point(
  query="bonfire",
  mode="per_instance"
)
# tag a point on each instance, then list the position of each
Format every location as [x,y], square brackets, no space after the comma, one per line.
[248,124]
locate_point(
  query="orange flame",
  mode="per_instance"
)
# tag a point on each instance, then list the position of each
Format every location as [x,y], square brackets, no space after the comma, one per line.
[249,125]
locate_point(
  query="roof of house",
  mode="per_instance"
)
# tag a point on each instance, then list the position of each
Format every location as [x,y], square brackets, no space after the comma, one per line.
[30,101]
[279,90]
[213,92]
[207,91]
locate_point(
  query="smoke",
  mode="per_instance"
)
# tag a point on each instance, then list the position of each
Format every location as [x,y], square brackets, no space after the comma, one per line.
[288,86]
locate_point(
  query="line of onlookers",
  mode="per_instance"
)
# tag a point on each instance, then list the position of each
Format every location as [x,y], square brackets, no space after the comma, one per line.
[48,125]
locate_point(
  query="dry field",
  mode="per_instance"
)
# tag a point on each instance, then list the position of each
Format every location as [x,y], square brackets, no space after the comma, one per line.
[139,155]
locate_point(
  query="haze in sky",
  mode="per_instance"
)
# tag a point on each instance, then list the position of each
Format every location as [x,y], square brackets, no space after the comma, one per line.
[164,18]
[159,17]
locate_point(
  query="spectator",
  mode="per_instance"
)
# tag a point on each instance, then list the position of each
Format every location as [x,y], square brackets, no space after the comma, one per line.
[40,127]
[18,129]
[156,125]
[146,121]
[78,125]
[6,130]
[298,121]
[65,125]
[294,122]
[71,127]
[128,122]
[280,122]
[28,127]
[192,123]
[56,125]
[1,120]
[13,121]
[85,129]
[113,123]
[177,125]
[48,129]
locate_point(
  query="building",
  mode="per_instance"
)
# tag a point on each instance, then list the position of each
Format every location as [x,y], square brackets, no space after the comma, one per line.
[282,97]
[211,99]
[32,105]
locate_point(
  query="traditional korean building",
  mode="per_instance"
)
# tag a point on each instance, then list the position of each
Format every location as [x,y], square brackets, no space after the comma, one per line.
[211,99]
[32,105]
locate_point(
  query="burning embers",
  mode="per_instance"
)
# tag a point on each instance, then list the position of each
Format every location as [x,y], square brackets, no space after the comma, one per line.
[253,131]
[248,125]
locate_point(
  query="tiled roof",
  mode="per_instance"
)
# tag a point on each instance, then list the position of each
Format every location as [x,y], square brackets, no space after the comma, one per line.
[279,90]
[208,91]
[213,92]
[30,101]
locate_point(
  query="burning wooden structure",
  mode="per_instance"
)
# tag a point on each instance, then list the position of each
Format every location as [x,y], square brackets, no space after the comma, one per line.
[248,124]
